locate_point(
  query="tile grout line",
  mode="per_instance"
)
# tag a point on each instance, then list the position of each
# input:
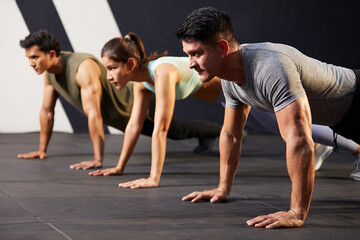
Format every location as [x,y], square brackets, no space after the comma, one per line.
[261,202]
[35,216]
[239,195]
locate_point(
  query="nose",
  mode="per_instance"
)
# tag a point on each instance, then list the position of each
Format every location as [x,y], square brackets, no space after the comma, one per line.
[108,76]
[32,63]
[192,63]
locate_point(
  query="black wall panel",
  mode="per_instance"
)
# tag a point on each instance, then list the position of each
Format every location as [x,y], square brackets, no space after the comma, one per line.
[326,30]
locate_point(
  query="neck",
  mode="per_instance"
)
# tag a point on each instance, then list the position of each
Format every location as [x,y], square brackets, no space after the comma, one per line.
[56,66]
[142,75]
[232,67]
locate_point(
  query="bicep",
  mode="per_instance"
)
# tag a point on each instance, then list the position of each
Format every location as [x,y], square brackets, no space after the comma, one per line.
[88,78]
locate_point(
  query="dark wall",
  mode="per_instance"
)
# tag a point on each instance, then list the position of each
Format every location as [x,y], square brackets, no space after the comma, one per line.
[326,30]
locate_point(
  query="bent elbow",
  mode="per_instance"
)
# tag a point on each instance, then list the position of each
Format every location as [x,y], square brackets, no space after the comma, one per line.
[48,115]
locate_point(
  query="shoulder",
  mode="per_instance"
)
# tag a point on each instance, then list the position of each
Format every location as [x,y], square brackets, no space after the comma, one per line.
[267,53]
[225,84]
[165,65]
[75,58]
[87,72]
[79,55]
[267,60]
[266,47]
[178,62]
[167,71]
[229,88]
[85,61]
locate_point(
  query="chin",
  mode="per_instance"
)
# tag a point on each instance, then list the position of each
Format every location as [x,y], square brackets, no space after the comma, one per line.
[205,79]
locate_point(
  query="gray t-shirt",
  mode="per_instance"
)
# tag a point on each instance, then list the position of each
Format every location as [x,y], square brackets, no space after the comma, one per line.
[275,75]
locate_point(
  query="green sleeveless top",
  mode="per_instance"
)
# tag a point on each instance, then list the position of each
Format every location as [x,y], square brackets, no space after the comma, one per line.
[115,104]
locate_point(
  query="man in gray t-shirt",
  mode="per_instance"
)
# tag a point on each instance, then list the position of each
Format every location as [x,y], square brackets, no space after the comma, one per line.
[276,78]
[275,75]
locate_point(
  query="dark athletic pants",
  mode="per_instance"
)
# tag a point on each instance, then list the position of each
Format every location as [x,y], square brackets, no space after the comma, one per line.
[349,126]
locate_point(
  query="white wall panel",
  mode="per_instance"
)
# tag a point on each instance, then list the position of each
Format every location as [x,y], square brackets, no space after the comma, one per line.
[20,87]
[89,24]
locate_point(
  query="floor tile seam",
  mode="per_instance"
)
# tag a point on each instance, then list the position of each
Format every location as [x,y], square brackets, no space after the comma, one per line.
[240,195]
[149,218]
[243,196]
[182,177]
[18,222]
[39,219]
[63,181]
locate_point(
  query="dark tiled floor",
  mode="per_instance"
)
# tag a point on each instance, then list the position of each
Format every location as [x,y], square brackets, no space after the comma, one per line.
[44,199]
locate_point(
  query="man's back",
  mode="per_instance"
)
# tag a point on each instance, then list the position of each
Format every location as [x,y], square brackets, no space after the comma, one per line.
[277,74]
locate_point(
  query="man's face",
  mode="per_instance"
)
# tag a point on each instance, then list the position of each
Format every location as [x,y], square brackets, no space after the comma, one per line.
[203,58]
[39,60]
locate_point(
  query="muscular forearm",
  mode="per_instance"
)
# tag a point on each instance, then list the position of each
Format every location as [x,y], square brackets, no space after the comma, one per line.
[230,149]
[46,126]
[300,162]
[131,137]
[96,131]
[158,151]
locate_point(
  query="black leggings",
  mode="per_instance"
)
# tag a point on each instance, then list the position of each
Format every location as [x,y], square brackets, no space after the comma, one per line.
[349,126]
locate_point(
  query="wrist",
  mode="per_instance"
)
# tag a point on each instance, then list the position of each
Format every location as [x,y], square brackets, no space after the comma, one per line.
[118,170]
[155,179]
[41,151]
[298,213]
[224,189]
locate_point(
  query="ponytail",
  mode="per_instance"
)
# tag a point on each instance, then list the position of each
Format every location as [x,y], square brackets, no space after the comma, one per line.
[120,49]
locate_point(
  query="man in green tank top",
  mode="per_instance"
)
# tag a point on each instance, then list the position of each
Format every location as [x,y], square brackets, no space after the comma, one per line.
[82,81]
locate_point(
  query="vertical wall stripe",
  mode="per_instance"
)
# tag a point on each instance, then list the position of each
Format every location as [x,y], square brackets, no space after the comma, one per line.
[42,14]
[17,104]
[88,30]
[21,89]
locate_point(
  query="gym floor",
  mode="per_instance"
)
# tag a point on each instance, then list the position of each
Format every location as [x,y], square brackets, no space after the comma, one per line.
[44,199]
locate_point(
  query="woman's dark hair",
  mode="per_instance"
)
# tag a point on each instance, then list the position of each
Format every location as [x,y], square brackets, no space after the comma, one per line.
[45,41]
[206,23]
[120,49]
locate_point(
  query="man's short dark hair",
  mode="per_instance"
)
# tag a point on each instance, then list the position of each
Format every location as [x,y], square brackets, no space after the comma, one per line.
[45,41]
[204,24]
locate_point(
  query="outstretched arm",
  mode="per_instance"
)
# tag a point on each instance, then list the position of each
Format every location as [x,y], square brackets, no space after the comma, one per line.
[166,78]
[295,128]
[230,151]
[46,121]
[88,78]
[142,99]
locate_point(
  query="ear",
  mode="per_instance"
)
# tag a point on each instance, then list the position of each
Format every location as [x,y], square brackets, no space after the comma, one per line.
[224,47]
[52,53]
[131,63]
